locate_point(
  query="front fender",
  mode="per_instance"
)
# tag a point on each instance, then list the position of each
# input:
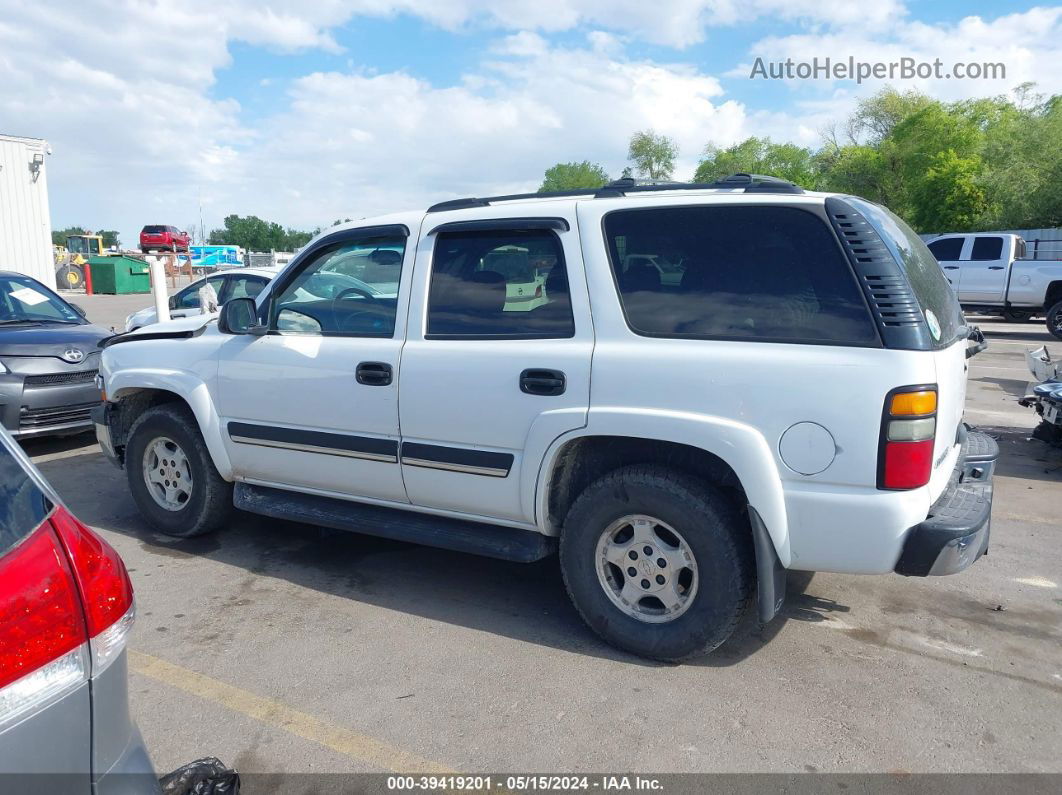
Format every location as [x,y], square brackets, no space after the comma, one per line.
[742,447]
[190,388]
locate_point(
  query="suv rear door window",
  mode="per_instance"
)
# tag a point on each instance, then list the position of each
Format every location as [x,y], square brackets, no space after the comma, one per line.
[762,273]
[23,505]
[947,250]
[499,284]
[987,248]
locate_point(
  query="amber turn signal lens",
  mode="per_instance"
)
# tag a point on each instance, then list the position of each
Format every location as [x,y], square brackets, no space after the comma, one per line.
[907,404]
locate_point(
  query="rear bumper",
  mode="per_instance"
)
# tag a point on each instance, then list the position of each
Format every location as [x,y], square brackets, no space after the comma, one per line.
[956,531]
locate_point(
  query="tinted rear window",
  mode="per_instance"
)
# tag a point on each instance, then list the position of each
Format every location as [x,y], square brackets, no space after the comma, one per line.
[23,505]
[154,230]
[735,272]
[987,248]
[931,288]
[947,250]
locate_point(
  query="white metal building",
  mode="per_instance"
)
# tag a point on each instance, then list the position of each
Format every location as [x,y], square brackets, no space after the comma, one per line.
[25,223]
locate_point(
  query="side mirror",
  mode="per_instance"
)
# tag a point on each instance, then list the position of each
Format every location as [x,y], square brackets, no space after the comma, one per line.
[173,302]
[240,316]
[79,310]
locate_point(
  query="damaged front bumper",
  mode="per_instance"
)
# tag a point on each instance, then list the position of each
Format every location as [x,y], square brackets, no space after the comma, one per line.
[101,421]
[956,531]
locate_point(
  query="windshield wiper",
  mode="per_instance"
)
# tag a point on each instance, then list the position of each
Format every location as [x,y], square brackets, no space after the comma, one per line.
[12,321]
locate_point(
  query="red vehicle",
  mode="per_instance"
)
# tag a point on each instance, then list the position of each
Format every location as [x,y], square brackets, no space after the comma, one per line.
[163,238]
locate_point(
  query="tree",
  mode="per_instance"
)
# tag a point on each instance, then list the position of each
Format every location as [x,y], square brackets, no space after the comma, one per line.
[759,156]
[110,237]
[254,234]
[877,116]
[652,154]
[948,196]
[59,236]
[572,176]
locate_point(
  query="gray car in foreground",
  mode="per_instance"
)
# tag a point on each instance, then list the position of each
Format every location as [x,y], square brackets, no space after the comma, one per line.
[49,355]
[66,610]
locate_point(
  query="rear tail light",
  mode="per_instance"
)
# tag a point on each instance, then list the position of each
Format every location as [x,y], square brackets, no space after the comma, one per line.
[106,593]
[42,627]
[908,428]
[66,608]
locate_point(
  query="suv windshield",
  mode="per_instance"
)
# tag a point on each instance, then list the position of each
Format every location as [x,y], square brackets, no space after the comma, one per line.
[23,300]
[935,296]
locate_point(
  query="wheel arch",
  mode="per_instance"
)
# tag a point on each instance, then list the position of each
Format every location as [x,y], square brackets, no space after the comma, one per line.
[132,398]
[1053,294]
[727,454]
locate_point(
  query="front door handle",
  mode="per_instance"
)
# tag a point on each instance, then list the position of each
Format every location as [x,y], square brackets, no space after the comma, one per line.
[995,267]
[547,383]
[374,374]
[951,267]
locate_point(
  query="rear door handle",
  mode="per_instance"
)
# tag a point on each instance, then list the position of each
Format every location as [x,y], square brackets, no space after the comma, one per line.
[547,383]
[995,267]
[374,374]
[951,267]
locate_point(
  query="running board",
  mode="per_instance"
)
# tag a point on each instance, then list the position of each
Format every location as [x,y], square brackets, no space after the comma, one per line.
[492,541]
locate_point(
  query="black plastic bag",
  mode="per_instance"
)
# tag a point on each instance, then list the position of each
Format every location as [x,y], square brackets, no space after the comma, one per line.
[207,776]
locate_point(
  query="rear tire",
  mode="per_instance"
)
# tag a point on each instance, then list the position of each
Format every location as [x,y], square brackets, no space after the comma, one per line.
[713,553]
[171,475]
[1054,321]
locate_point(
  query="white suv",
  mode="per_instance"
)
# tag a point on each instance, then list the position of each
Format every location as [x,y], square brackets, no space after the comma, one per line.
[793,401]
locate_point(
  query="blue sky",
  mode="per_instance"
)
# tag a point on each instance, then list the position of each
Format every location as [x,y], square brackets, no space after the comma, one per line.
[302,111]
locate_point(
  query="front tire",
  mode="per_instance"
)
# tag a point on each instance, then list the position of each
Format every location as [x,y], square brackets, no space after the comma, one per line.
[690,552]
[171,475]
[1054,321]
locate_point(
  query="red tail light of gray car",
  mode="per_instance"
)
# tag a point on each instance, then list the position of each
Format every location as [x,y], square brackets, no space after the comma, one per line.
[66,609]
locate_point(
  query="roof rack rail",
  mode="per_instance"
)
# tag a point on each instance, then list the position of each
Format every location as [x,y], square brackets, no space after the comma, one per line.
[748,183]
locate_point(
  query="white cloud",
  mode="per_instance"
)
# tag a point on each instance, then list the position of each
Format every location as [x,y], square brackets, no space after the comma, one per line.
[125,92]
[1028,44]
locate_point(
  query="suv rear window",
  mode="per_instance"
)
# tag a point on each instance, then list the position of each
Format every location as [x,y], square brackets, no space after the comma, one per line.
[773,274]
[153,230]
[23,505]
[947,250]
[930,286]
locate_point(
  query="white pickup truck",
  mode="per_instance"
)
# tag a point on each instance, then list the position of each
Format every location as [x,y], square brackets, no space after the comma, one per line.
[990,271]
[790,396]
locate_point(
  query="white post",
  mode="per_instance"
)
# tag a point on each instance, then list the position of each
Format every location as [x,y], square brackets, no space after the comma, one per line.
[158,288]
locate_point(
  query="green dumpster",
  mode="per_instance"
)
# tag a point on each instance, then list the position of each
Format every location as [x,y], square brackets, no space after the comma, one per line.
[119,275]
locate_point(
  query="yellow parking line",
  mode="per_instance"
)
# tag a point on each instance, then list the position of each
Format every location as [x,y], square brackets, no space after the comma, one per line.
[372,752]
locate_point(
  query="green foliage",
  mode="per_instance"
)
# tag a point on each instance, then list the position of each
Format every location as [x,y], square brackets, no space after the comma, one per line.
[948,196]
[759,156]
[652,154]
[254,234]
[572,176]
[991,163]
[59,236]
[110,237]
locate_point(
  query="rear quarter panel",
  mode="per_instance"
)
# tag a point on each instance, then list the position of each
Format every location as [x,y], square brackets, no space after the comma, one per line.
[1030,281]
[835,520]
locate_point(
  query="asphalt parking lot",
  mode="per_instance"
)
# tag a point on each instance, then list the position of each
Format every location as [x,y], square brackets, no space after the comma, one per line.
[286,648]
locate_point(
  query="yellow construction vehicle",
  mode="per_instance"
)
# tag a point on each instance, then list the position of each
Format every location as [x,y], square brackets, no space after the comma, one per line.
[70,262]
